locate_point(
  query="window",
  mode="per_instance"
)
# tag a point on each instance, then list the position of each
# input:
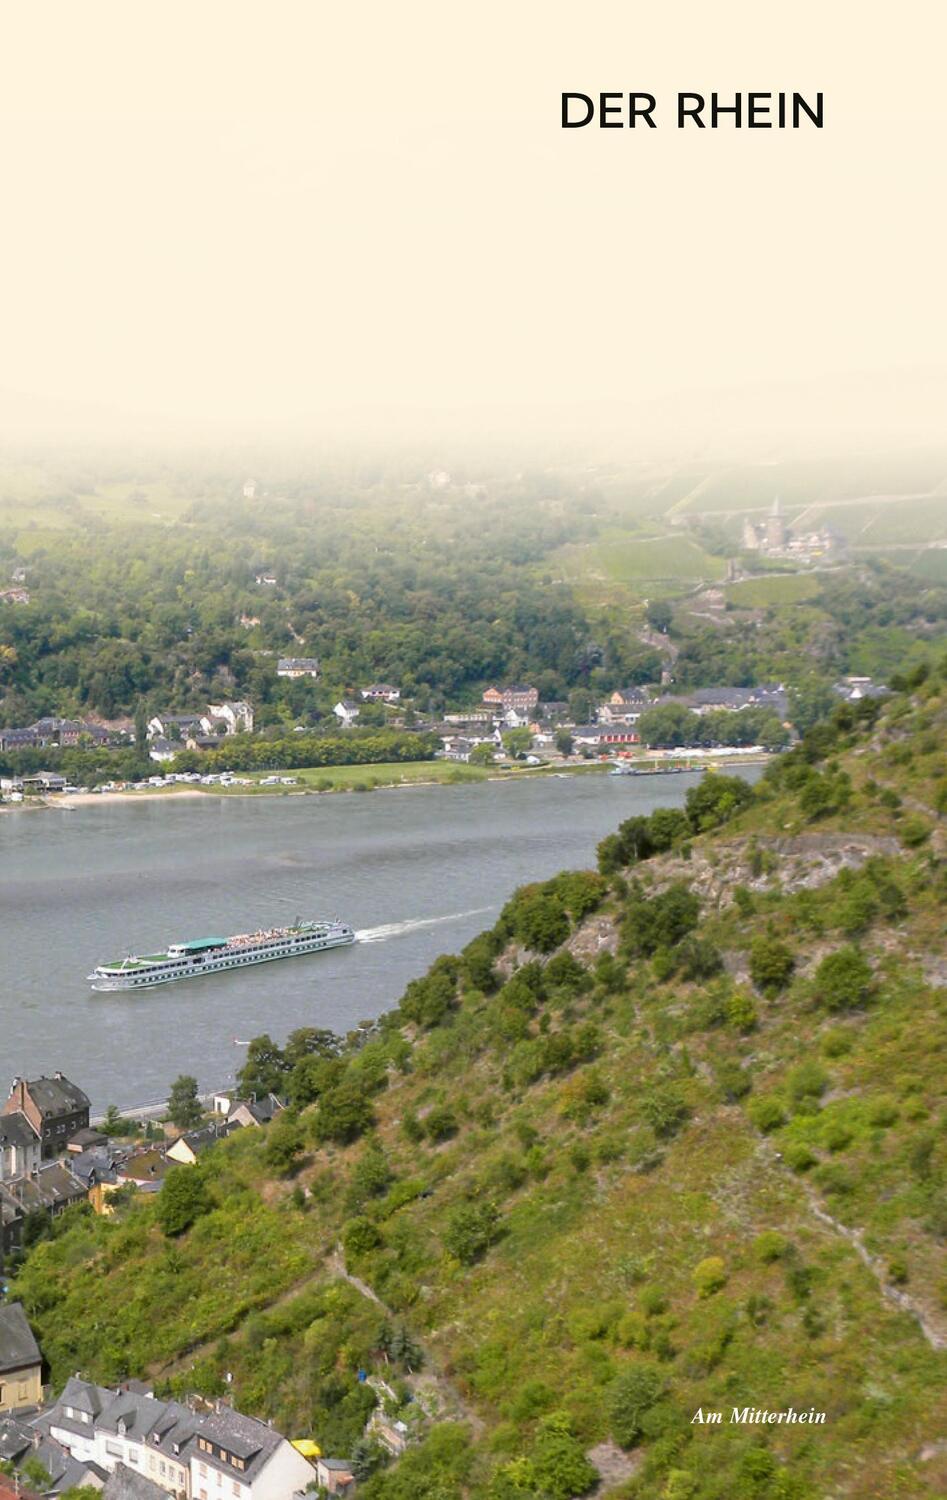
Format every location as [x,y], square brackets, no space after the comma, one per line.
[115,1450]
[202,1470]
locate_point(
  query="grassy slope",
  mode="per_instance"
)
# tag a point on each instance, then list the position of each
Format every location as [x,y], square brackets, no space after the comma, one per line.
[603,1222]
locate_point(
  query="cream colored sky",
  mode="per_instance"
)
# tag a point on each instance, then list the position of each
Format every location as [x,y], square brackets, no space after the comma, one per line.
[266,213]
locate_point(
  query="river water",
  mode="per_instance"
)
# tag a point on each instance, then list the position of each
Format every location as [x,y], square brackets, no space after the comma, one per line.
[417,871]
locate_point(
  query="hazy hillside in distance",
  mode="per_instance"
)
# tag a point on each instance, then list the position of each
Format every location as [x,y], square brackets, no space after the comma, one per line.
[669,1136]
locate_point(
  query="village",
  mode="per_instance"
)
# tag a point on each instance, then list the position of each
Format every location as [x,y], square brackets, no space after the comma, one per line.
[510,724]
[126,1442]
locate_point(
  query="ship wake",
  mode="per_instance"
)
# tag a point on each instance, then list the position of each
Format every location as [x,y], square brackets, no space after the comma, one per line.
[399,929]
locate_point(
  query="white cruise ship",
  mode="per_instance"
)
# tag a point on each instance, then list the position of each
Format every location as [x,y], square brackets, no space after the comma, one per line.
[209,955]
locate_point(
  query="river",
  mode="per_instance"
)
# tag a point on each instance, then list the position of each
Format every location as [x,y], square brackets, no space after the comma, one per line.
[417,871]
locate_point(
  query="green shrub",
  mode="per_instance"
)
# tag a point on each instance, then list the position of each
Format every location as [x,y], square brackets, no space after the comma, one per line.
[914,831]
[799,1157]
[741,1012]
[771,965]
[770,1246]
[710,1275]
[663,1108]
[184,1197]
[807,1081]
[843,979]
[767,1112]
[882,1112]
[733,1081]
[441,1123]
[631,1397]
[360,1236]
[471,1229]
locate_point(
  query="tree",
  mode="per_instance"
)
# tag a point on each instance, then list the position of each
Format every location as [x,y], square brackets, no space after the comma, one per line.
[663,1109]
[344,1113]
[367,1456]
[184,1107]
[771,965]
[539,918]
[183,1199]
[471,1230]
[631,1398]
[660,614]
[668,725]
[716,799]
[560,1465]
[311,1041]
[843,979]
[565,744]
[141,733]
[483,754]
[517,742]
[284,1144]
[265,1068]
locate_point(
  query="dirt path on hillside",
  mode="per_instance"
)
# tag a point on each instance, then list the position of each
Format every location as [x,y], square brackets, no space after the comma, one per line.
[902,1300]
[434,1391]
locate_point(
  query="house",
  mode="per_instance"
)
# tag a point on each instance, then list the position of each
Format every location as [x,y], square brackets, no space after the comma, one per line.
[249,489]
[457,748]
[347,711]
[97,1171]
[127,1484]
[188,1147]
[52,1189]
[14,596]
[160,749]
[250,1112]
[199,1455]
[297,666]
[381,692]
[853,689]
[87,1140]
[20,1152]
[21,1364]
[44,782]
[145,1169]
[266,580]
[334,1475]
[11,1226]
[237,717]
[555,711]
[178,726]
[19,1442]
[587,734]
[55,1108]
[19,739]
[522,699]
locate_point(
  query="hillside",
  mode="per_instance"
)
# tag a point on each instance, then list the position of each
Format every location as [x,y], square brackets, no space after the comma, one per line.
[668,1138]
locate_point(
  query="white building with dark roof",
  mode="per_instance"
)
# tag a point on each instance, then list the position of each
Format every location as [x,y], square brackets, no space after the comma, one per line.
[218,1454]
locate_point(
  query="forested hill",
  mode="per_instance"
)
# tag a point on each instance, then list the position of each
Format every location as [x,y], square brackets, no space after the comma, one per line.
[669,1137]
[170,590]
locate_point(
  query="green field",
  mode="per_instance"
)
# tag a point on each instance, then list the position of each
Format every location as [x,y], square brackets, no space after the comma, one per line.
[637,562]
[779,588]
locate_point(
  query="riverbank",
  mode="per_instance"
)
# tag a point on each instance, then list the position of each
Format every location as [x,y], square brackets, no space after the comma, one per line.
[321,780]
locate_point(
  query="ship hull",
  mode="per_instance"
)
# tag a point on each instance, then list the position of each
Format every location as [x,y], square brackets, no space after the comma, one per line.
[104,982]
